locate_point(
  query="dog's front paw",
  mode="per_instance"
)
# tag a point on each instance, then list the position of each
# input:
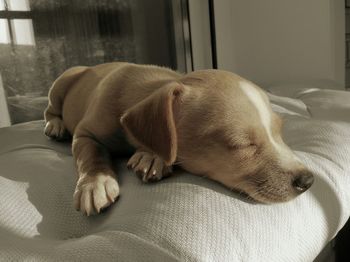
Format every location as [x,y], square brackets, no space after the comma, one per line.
[148,166]
[55,128]
[93,193]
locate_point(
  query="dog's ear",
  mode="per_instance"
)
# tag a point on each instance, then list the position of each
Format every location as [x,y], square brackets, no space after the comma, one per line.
[151,122]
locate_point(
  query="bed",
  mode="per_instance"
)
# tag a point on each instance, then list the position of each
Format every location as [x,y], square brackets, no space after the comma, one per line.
[184,217]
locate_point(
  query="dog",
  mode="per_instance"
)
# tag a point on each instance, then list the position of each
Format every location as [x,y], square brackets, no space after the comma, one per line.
[211,123]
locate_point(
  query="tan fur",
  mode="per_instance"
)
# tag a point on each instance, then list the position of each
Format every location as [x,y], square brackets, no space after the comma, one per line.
[201,120]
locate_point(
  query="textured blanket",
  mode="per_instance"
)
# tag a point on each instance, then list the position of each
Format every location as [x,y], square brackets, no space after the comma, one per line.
[184,217]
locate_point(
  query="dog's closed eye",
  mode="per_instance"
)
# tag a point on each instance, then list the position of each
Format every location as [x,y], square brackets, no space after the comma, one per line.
[236,146]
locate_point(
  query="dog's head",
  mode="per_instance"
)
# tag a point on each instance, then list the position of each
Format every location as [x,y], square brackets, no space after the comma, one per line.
[216,124]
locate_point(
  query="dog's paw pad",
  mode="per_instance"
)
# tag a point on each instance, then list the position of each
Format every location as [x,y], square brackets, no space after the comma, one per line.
[55,128]
[148,166]
[94,193]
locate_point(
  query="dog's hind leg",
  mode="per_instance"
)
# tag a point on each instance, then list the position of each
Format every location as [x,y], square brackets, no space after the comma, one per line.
[54,125]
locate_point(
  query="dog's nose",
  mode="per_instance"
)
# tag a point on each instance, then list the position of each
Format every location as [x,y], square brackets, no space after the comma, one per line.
[303,182]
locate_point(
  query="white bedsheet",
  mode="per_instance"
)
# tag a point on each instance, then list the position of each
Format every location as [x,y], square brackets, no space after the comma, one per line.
[184,217]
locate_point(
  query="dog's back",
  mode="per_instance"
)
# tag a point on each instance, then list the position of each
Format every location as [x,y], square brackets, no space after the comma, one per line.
[92,93]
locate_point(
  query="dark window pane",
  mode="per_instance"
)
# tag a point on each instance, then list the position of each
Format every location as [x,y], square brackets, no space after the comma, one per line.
[40,39]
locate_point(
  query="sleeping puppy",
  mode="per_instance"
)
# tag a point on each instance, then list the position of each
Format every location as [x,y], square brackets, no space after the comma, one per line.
[212,123]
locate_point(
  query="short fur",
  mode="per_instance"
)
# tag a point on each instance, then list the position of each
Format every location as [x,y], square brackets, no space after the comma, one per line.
[205,121]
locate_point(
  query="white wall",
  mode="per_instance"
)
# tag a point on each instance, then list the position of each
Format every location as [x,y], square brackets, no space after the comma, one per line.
[269,41]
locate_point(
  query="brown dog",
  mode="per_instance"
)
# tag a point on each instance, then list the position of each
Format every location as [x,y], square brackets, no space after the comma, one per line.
[211,122]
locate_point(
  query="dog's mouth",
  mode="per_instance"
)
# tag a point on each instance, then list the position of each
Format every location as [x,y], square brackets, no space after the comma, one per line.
[243,194]
[269,197]
[264,194]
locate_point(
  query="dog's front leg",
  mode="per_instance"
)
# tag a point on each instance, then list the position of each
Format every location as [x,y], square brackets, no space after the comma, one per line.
[148,166]
[97,186]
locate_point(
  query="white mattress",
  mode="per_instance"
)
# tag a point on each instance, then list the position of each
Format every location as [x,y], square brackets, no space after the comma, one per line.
[184,217]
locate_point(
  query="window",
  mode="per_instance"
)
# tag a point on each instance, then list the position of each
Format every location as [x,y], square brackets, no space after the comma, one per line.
[40,39]
[16,27]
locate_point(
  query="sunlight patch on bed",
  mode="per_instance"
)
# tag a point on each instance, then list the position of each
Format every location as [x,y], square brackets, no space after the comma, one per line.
[16,218]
